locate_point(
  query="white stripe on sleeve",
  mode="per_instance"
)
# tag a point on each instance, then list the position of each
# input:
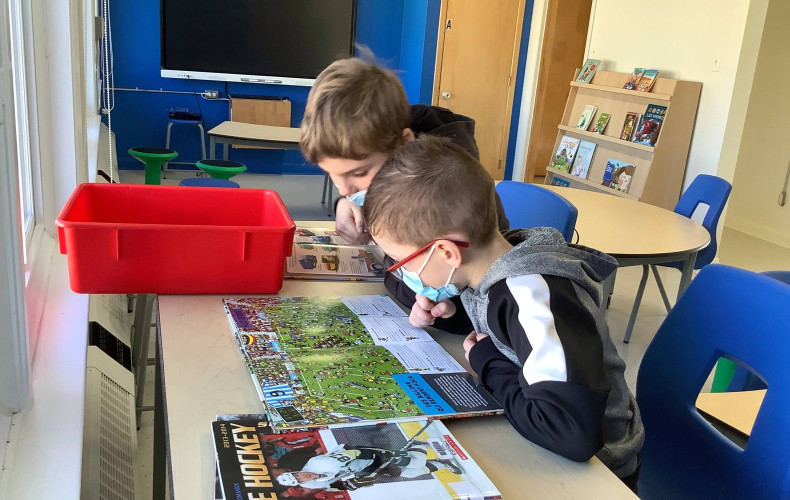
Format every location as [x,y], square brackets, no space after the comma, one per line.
[546,362]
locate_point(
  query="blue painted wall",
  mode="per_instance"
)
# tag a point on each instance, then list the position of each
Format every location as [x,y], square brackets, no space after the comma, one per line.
[418,48]
[514,118]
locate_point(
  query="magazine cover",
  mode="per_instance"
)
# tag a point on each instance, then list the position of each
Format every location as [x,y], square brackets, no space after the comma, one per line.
[588,70]
[618,175]
[628,127]
[556,181]
[647,80]
[417,459]
[317,361]
[587,116]
[600,124]
[633,80]
[584,156]
[648,130]
[566,152]
[322,254]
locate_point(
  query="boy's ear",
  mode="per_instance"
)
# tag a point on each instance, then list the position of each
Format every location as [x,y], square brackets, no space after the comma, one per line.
[450,252]
[407,136]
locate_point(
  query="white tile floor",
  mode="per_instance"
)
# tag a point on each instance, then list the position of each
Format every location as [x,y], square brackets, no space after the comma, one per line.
[302,196]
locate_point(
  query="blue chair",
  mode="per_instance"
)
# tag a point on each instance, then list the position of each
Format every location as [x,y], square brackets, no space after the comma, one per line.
[731,313]
[704,190]
[530,205]
[208,182]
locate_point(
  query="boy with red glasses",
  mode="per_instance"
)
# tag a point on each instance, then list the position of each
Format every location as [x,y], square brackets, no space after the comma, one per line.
[541,345]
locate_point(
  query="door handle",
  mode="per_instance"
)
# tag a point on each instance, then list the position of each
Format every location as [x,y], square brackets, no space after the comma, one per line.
[445,95]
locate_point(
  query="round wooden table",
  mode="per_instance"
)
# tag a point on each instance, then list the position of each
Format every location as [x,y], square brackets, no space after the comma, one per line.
[636,234]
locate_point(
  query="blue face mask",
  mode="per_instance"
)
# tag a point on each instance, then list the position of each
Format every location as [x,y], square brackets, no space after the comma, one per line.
[357,198]
[414,282]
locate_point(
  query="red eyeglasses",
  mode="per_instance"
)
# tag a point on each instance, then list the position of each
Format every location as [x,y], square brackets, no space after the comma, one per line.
[412,256]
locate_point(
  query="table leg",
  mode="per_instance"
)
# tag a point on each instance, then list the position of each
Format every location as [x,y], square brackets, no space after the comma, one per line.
[225,150]
[608,289]
[212,147]
[688,270]
[160,445]
[637,302]
[142,335]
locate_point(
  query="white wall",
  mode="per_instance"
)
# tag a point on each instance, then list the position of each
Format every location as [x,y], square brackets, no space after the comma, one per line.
[762,159]
[683,40]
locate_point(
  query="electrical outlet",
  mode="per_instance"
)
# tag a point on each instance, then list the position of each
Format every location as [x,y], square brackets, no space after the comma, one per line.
[211,94]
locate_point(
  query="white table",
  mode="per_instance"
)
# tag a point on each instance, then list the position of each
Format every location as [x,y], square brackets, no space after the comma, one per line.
[251,134]
[636,234]
[204,374]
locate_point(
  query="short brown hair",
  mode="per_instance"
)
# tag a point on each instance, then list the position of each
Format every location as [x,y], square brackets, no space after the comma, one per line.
[354,109]
[430,188]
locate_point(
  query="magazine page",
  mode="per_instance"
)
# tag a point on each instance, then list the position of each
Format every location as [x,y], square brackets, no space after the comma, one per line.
[319,236]
[338,261]
[416,459]
[316,362]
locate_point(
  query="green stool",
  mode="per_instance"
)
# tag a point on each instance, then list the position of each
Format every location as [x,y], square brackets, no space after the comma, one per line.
[153,159]
[221,169]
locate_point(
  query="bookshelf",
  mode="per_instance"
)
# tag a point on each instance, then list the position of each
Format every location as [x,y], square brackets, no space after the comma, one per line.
[659,170]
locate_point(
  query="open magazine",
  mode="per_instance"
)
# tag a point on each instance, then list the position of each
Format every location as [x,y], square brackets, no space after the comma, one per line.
[416,459]
[322,254]
[326,360]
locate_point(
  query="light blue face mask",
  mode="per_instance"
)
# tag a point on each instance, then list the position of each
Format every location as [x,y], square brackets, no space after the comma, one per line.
[357,198]
[414,282]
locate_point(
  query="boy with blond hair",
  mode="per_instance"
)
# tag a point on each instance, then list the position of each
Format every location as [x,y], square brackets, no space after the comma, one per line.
[357,114]
[541,345]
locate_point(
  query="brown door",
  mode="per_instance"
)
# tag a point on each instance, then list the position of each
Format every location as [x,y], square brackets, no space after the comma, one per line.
[564,39]
[476,70]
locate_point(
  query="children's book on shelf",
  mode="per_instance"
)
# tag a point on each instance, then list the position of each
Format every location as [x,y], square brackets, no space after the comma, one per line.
[320,253]
[557,181]
[629,125]
[317,361]
[584,156]
[415,459]
[587,116]
[588,70]
[647,80]
[600,124]
[566,152]
[618,175]
[633,80]
[648,130]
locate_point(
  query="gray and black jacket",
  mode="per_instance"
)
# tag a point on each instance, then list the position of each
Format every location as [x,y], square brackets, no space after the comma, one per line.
[549,360]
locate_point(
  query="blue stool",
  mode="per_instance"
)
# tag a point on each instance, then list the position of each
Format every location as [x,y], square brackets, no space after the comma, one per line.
[197,121]
[208,182]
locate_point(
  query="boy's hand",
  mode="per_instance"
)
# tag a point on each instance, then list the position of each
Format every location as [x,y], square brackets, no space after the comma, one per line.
[425,311]
[350,223]
[471,340]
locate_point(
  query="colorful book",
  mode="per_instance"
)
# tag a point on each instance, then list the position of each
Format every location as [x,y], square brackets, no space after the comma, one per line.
[618,175]
[600,124]
[317,361]
[321,254]
[648,130]
[584,156]
[633,80]
[647,80]
[588,70]
[415,459]
[629,125]
[557,181]
[566,152]
[587,116]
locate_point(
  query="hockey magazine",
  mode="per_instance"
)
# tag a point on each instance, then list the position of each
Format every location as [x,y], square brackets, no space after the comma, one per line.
[416,459]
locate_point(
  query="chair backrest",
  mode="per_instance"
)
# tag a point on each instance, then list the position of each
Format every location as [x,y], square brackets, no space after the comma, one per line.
[529,205]
[730,313]
[712,191]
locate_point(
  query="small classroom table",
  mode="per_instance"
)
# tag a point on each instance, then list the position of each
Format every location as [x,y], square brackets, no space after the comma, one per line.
[251,134]
[735,409]
[201,373]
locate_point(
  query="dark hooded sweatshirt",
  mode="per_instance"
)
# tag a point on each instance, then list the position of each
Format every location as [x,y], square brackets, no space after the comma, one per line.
[441,122]
[549,360]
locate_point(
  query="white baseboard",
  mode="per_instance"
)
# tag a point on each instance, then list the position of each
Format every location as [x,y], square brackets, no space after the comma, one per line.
[762,231]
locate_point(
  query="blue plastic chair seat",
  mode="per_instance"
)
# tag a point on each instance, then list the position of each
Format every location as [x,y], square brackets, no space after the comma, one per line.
[208,182]
[739,315]
[530,205]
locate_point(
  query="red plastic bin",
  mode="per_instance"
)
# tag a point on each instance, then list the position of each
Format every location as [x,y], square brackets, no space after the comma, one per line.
[122,238]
